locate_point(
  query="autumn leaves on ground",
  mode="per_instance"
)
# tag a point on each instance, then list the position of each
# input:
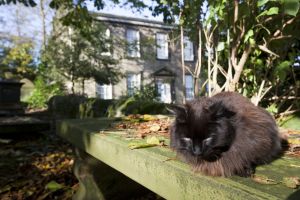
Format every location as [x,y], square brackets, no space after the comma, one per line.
[38,168]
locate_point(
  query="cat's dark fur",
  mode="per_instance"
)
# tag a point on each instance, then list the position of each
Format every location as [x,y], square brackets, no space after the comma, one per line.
[224,135]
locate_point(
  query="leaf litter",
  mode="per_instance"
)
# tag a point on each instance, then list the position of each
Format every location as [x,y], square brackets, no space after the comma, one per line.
[37,168]
[143,126]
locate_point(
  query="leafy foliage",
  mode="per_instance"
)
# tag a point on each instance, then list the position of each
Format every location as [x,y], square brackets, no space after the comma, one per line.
[144,101]
[77,106]
[78,58]
[249,46]
[18,59]
[24,2]
[42,92]
[65,106]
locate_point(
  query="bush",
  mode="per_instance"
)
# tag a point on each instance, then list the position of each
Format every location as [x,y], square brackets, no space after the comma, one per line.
[78,106]
[43,92]
[145,107]
[94,108]
[65,106]
[143,102]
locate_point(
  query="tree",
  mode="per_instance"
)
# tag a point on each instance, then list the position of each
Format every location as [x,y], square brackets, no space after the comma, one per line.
[77,14]
[45,15]
[243,42]
[78,58]
[188,14]
[235,30]
[18,59]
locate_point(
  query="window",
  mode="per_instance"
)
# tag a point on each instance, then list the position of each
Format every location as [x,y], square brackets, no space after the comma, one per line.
[162,49]
[189,87]
[164,91]
[133,83]
[188,49]
[133,40]
[107,43]
[104,91]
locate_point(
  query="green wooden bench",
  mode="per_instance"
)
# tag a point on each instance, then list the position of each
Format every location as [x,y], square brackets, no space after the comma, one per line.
[103,158]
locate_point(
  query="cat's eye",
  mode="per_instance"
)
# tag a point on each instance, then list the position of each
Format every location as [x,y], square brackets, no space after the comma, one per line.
[207,141]
[186,143]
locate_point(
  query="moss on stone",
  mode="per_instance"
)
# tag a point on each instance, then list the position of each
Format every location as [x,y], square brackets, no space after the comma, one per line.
[155,169]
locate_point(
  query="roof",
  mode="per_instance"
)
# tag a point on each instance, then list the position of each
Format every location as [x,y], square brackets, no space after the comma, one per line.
[164,72]
[132,20]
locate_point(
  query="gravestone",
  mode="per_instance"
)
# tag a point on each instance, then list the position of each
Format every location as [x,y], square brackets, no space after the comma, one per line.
[10,98]
[13,121]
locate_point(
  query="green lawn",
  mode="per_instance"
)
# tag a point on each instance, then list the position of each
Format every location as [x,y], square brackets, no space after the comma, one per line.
[292,123]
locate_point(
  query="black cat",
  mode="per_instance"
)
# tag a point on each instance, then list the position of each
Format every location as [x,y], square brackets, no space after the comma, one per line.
[224,135]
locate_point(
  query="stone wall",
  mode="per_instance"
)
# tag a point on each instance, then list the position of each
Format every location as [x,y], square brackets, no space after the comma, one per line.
[147,64]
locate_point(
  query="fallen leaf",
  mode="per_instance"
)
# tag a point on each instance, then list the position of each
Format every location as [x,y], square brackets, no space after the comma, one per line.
[5,188]
[53,186]
[155,128]
[153,140]
[291,182]
[262,179]
[149,117]
[139,145]
[294,141]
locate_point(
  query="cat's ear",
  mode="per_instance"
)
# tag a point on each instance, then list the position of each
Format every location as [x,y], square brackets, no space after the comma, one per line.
[218,110]
[180,111]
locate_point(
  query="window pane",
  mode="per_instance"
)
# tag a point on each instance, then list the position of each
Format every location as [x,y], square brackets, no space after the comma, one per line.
[133,40]
[104,91]
[164,91]
[162,46]
[189,87]
[188,50]
[107,44]
[133,83]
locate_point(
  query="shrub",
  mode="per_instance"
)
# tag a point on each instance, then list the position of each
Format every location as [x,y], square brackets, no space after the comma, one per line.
[145,107]
[78,106]
[94,107]
[43,92]
[143,102]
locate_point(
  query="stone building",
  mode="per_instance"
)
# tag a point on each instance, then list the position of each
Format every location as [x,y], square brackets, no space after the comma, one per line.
[150,56]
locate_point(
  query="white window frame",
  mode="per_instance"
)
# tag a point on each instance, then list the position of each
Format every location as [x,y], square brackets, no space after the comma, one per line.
[164,90]
[133,83]
[189,87]
[104,91]
[107,44]
[133,41]
[188,49]
[162,46]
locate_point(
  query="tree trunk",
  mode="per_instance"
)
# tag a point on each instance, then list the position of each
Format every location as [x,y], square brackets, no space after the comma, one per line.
[73,85]
[199,64]
[43,18]
[239,68]
[182,64]
[82,87]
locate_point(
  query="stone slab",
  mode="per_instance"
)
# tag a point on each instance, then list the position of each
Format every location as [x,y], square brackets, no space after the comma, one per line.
[172,179]
[21,125]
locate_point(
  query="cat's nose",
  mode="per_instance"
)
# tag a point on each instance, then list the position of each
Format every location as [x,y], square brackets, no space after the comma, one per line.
[197,150]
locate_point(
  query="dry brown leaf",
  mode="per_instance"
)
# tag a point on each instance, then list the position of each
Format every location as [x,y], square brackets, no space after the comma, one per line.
[262,179]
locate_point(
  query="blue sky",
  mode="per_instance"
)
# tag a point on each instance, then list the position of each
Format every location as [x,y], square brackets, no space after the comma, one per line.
[126,11]
[30,22]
